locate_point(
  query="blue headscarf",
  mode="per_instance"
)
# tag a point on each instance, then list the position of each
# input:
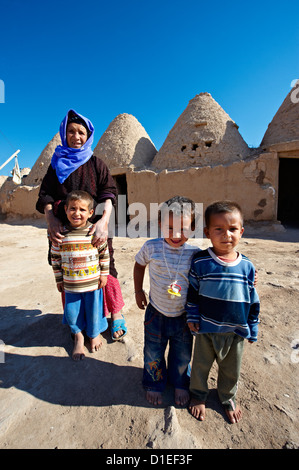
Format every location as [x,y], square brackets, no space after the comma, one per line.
[65,159]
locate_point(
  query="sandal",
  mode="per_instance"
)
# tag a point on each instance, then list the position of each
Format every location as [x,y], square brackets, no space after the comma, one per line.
[116,325]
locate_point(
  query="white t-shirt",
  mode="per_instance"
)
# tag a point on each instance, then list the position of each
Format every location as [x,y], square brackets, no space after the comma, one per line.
[166,266]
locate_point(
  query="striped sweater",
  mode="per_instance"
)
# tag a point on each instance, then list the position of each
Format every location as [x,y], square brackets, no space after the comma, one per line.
[221,296]
[77,263]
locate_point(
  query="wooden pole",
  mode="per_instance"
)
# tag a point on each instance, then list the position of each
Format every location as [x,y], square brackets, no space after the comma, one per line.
[10,158]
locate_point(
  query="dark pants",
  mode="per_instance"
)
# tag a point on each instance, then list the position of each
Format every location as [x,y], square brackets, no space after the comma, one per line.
[159,331]
[227,350]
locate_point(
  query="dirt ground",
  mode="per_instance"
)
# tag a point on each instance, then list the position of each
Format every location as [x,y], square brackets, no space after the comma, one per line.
[48,401]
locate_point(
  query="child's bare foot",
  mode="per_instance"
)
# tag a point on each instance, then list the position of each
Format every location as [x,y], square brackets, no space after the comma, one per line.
[181,396]
[95,343]
[235,415]
[198,409]
[78,350]
[155,398]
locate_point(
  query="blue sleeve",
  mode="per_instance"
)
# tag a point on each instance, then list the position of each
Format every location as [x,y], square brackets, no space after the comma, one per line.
[253,317]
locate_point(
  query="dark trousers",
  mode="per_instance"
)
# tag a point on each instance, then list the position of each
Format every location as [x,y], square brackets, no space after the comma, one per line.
[159,332]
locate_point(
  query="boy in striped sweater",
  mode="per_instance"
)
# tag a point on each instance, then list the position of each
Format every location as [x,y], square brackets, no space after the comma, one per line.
[81,271]
[222,308]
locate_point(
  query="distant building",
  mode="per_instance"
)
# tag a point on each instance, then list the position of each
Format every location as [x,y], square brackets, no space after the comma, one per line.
[204,157]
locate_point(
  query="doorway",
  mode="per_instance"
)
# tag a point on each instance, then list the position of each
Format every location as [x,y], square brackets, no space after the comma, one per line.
[122,190]
[288,191]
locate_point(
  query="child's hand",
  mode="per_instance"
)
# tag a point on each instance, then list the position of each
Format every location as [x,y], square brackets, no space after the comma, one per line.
[102,281]
[60,286]
[256,277]
[194,327]
[141,299]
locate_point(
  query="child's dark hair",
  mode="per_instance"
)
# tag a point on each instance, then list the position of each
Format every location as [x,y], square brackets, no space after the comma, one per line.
[178,206]
[220,207]
[79,195]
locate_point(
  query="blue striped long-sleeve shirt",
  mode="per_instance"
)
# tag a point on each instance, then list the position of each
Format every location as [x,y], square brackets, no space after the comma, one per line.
[221,295]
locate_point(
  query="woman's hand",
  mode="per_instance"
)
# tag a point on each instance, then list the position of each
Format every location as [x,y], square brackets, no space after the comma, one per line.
[55,227]
[99,230]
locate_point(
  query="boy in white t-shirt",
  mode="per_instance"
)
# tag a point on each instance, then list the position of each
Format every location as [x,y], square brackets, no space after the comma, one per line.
[169,260]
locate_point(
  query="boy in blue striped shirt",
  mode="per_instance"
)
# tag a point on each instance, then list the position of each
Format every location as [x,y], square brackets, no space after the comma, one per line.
[222,308]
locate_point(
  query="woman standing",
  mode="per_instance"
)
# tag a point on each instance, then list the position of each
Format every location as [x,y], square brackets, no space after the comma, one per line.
[73,166]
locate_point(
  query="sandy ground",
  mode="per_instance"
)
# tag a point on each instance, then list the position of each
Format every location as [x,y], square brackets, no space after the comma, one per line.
[48,401]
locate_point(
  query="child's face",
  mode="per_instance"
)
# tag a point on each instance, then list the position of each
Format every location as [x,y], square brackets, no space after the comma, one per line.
[225,231]
[78,213]
[176,229]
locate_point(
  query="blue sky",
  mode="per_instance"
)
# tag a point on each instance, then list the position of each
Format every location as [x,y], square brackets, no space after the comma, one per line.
[146,58]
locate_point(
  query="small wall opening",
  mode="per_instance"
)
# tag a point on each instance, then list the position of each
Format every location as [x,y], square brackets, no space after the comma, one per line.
[288,191]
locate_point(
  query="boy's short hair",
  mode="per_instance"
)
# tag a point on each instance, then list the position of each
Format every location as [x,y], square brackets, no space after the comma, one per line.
[79,195]
[220,207]
[178,206]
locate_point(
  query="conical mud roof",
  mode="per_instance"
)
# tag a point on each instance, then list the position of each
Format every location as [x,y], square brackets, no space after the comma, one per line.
[41,165]
[284,127]
[203,135]
[125,143]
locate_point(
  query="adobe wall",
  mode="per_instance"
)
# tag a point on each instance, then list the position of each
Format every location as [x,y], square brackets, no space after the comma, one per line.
[19,201]
[253,184]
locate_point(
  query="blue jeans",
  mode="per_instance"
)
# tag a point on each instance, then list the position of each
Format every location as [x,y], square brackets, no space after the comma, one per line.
[159,331]
[84,312]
